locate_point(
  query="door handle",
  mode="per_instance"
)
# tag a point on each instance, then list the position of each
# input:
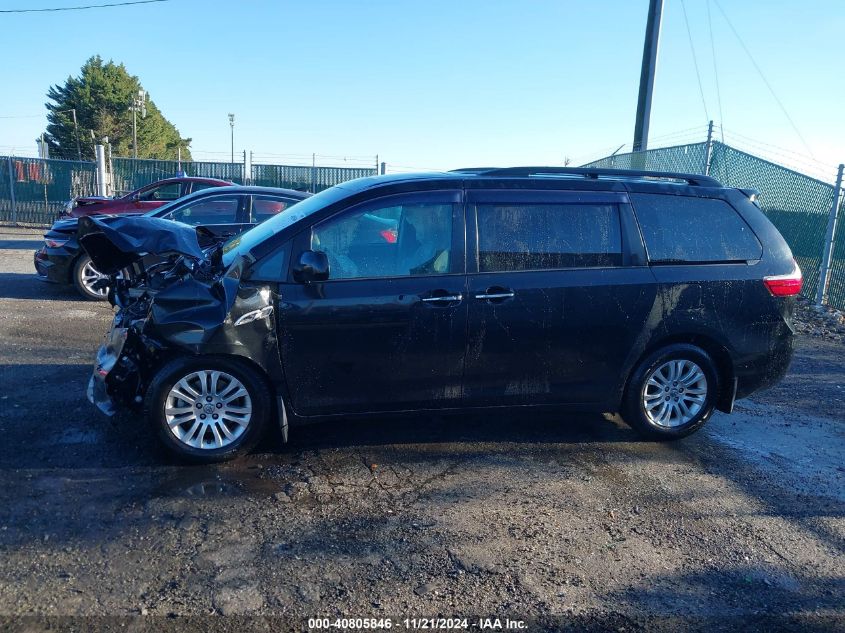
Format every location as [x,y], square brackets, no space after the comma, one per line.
[493,294]
[442,300]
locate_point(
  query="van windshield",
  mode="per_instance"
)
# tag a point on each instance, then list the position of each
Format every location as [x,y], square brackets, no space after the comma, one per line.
[245,242]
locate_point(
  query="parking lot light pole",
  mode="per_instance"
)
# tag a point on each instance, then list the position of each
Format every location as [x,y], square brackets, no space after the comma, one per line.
[139,104]
[76,134]
[232,126]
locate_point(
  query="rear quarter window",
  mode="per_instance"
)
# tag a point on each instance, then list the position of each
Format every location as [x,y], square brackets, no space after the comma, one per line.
[688,229]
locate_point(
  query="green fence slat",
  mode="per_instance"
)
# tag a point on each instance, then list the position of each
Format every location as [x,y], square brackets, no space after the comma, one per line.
[300,177]
[129,174]
[42,187]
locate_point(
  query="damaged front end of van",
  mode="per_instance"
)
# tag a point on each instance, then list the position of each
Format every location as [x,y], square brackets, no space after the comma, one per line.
[174,297]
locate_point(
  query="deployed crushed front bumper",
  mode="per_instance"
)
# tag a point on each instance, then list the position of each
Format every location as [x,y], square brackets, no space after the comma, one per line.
[98,396]
[111,372]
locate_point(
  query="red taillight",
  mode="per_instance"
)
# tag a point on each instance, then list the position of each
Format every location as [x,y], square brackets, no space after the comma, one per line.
[785,285]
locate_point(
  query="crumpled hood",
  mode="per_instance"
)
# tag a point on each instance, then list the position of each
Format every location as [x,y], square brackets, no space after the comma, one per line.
[66,225]
[115,242]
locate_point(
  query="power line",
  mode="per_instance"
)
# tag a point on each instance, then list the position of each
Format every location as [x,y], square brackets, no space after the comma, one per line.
[81,8]
[763,77]
[715,68]
[695,61]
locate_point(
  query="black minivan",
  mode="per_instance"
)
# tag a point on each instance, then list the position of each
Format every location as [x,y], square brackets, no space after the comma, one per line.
[660,296]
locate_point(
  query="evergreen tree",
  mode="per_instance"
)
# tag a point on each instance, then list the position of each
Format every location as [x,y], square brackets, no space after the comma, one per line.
[101,95]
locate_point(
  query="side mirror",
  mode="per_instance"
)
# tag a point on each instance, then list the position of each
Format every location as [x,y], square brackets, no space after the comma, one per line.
[312,266]
[136,197]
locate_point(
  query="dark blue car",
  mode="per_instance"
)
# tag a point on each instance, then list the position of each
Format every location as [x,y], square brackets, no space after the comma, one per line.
[224,211]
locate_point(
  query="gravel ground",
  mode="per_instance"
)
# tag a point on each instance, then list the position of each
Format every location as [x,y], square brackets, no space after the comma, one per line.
[565,522]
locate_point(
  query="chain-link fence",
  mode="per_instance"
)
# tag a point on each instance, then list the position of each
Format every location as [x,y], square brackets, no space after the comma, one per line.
[683,158]
[798,205]
[836,287]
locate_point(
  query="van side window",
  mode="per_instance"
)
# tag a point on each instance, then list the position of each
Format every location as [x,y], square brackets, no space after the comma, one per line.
[548,236]
[395,240]
[688,229]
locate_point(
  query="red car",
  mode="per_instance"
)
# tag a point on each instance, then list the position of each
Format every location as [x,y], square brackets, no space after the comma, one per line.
[141,200]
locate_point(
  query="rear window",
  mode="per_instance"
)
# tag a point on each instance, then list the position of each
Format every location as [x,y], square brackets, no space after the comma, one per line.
[686,229]
[547,236]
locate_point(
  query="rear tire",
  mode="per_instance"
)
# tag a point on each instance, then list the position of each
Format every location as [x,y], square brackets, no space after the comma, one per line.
[84,275]
[671,393]
[208,408]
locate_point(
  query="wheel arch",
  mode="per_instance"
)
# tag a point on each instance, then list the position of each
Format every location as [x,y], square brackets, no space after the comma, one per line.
[228,356]
[71,269]
[718,351]
[179,361]
[280,406]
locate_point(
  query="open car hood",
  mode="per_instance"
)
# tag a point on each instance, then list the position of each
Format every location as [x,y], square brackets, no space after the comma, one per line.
[115,242]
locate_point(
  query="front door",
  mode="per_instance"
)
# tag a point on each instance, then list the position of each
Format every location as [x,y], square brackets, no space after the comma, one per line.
[555,304]
[387,331]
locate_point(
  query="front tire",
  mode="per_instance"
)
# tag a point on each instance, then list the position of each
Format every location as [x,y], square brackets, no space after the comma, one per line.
[84,278]
[208,408]
[671,393]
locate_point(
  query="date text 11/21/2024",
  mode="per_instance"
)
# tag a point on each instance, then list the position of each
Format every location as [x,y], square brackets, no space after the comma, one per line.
[418,624]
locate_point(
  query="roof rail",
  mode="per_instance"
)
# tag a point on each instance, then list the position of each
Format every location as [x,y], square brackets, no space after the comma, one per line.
[589,172]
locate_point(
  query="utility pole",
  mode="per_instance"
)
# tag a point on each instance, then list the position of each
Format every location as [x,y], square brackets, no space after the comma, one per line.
[232,126]
[649,66]
[139,104]
[76,134]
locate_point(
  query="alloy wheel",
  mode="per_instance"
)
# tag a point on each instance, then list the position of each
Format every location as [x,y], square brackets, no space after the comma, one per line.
[208,409]
[674,393]
[89,276]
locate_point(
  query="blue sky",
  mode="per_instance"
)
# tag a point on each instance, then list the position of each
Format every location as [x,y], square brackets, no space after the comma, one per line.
[443,84]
